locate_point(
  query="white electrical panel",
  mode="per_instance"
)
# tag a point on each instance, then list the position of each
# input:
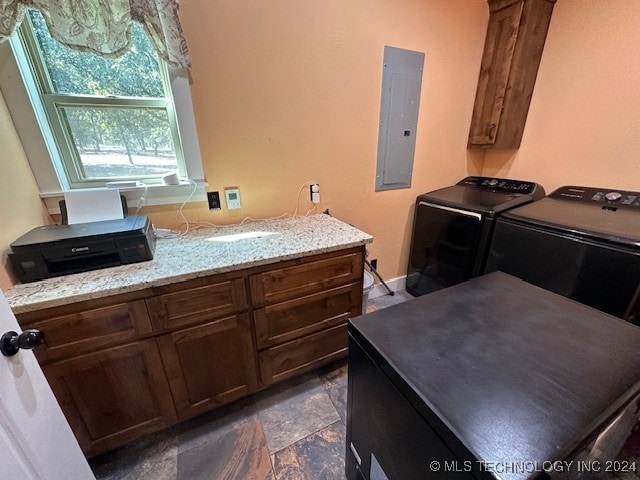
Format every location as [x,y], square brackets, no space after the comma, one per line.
[232,196]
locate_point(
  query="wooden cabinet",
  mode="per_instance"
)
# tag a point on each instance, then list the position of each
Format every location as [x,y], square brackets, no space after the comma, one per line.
[104,370]
[513,48]
[212,361]
[300,322]
[209,365]
[125,366]
[113,395]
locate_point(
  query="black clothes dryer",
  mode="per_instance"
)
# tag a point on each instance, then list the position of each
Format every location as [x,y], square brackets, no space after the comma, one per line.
[580,242]
[453,227]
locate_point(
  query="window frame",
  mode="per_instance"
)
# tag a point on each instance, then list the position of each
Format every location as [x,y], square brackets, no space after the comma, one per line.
[54,102]
[45,154]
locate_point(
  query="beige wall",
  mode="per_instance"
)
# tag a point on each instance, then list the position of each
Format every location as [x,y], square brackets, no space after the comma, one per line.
[289,92]
[583,127]
[20,206]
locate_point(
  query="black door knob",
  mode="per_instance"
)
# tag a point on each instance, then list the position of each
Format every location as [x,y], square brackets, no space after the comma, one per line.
[11,342]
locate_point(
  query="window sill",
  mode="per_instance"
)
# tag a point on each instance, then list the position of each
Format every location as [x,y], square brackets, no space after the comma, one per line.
[155,195]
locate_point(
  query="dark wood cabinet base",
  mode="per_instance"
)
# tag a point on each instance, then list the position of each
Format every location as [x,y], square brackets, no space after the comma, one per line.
[126,366]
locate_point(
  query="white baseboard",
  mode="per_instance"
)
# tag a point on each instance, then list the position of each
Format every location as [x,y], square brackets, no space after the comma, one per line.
[395,284]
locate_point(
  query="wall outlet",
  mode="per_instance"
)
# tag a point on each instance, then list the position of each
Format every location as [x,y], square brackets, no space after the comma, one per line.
[374,263]
[214,200]
[232,196]
[314,192]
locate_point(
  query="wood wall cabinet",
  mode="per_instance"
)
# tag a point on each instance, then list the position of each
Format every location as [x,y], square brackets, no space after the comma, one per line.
[513,48]
[124,366]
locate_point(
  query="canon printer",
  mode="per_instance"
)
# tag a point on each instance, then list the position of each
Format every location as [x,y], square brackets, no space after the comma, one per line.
[54,250]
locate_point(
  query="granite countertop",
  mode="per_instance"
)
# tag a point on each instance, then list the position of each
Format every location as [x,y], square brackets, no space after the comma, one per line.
[195,255]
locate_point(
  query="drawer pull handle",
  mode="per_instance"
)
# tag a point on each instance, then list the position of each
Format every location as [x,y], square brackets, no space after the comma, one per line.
[491,131]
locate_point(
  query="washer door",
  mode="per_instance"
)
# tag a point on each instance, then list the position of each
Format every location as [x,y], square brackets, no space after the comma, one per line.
[444,247]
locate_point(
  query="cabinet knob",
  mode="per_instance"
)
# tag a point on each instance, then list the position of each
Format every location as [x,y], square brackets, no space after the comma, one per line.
[11,342]
[491,130]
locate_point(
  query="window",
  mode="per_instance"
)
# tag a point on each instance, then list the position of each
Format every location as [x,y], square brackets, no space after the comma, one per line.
[106,119]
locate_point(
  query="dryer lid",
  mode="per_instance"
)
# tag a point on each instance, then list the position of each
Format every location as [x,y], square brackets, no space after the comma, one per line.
[485,194]
[586,211]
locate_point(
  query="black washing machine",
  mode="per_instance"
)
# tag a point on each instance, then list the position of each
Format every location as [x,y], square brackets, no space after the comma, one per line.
[453,227]
[580,242]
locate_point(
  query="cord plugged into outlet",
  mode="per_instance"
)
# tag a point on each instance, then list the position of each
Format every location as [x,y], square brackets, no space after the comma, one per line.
[213,198]
[314,191]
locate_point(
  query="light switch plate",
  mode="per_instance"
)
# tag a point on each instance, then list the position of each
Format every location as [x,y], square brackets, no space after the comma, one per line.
[232,196]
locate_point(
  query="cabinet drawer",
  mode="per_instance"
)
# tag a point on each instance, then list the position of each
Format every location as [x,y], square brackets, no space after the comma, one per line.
[309,277]
[114,395]
[295,318]
[88,330]
[303,354]
[181,308]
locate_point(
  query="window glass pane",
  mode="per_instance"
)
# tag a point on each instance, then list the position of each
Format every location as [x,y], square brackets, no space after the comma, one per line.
[121,142]
[135,74]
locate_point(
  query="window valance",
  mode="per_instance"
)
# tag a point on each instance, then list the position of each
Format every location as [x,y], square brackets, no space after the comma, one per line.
[104,26]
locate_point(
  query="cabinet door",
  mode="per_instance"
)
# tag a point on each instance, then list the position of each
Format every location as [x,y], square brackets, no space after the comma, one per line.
[113,396]
[209,365]
[499,46]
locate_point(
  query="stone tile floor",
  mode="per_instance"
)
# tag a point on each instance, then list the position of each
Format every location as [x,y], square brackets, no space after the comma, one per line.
[293,430]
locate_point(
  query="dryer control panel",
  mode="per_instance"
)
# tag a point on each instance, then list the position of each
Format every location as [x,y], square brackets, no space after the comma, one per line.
[504,185]
[604,196]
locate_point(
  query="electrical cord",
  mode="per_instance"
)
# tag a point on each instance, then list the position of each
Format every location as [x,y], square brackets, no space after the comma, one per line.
[168,233]
[181,211]
[372,269]
[375,272]
[143,199]
[308,182]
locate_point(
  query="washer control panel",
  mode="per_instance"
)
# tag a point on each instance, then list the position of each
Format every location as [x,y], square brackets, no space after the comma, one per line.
[502,185]
[604,196]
